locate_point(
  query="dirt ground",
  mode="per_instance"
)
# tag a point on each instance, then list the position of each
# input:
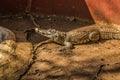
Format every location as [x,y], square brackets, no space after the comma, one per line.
[93,61]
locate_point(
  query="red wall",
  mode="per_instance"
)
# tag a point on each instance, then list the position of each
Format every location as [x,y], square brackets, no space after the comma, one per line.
[105,10]
[99,10]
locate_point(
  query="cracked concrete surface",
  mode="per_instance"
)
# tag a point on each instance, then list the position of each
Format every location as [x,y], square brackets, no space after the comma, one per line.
[93,61]
[86,62]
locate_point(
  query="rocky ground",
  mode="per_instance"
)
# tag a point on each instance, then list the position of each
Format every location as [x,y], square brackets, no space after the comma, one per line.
[93,61]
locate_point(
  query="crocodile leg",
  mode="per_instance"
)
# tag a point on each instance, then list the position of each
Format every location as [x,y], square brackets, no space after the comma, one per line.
[67,44]
[94,36]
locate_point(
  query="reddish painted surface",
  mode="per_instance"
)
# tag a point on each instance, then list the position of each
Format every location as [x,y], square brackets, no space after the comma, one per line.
[99,10]
[105,10]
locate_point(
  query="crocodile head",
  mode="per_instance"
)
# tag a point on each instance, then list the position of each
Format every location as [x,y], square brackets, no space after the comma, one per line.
[50,33]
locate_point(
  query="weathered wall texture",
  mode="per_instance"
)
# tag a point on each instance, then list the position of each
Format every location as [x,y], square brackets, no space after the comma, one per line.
[99,10]
[62,7]
[105,10]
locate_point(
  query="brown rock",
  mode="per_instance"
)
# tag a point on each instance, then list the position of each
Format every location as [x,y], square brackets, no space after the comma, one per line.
[14,59]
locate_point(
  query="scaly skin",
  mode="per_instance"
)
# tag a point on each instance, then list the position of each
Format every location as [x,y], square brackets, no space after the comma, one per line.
[82,35]
[6,34]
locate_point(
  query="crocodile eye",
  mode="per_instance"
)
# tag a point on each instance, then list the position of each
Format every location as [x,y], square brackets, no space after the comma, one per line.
[55,36]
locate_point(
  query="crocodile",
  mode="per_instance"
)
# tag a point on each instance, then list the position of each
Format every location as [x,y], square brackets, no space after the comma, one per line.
[90,33]
[6,34]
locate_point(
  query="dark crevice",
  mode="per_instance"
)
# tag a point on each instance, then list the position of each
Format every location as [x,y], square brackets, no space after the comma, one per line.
[29,33]
[29,66]
[27,11]
[100,69]
[98,72]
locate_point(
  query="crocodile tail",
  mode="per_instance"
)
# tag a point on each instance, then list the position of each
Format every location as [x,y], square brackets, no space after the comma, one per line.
[110,35]
[116,35]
